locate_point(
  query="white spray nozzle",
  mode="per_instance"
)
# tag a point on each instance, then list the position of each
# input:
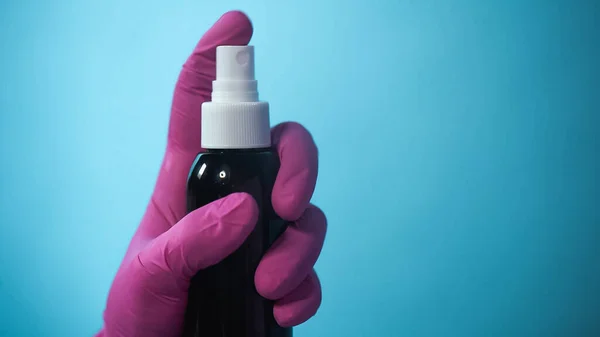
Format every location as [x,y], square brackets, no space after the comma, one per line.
[235,63]
[235,75]
[235,118]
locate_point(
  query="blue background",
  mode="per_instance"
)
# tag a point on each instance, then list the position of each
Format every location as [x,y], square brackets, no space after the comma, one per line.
[458,139]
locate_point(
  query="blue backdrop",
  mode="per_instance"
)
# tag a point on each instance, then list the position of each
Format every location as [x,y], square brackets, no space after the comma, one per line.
[458,139]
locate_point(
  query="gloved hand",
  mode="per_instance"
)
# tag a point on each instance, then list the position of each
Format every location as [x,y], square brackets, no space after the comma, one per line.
[149,293]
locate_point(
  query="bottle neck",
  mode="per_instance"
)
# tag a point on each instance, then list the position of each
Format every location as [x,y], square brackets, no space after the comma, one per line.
[256,150]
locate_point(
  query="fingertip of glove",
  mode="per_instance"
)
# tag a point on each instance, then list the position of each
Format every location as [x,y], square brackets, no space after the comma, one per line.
[237,17]
[232,28]
[299,169]
[239,208]
[300,305]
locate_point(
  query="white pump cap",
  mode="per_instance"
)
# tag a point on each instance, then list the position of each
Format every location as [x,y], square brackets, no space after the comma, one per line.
[235,118]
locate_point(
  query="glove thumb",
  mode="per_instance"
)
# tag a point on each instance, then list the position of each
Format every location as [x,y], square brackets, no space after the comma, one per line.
[202,238]
[149,293]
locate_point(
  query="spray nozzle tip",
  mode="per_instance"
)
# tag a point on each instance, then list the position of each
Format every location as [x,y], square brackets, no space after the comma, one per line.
[235,63]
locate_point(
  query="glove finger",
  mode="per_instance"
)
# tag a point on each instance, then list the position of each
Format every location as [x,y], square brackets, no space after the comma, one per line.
[202,238]
[297,175]
[194,85]
[301,304]
[292,256]
[192,89]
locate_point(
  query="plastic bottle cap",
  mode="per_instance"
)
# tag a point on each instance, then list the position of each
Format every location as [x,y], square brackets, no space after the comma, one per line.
[235,118]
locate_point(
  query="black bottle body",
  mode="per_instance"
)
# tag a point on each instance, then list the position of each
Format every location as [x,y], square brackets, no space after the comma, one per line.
[222,299]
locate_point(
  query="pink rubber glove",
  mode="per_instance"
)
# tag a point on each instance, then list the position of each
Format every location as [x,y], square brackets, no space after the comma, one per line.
[149,294]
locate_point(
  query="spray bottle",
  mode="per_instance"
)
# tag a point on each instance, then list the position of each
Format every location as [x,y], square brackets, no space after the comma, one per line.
[222,300]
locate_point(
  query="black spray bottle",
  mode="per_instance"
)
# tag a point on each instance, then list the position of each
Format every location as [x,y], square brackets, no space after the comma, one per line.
[222,300]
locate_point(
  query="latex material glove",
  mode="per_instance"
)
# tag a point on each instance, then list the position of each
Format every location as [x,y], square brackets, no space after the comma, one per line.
[149,293]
